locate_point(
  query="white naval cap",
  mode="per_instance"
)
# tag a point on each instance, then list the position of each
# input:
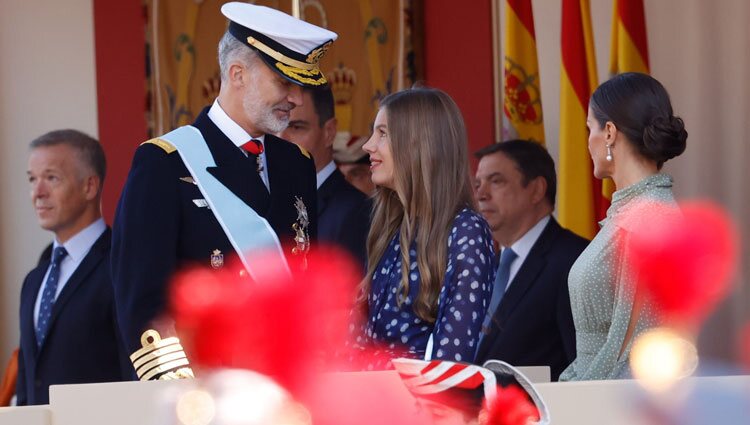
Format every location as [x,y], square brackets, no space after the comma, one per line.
[289,46]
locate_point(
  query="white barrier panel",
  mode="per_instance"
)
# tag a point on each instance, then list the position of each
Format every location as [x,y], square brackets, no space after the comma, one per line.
[536,374]
[703,400]
[26,415]
[722,400]
[116,403]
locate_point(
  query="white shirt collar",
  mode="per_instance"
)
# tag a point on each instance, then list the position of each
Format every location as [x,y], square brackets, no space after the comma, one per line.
[80,244]
[523,246]
[231,129]
[325,173]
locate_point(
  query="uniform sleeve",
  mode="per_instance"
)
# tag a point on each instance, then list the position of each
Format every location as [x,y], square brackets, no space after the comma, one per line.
[144,241]
[466,292]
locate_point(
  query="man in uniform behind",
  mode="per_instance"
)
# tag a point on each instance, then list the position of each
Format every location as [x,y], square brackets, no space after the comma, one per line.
[343,211]
[179,207]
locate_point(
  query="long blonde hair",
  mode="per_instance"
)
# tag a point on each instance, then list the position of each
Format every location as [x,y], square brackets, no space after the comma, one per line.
[431,177]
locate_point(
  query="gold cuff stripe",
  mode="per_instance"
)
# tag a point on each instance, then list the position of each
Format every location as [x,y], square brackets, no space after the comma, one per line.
[165,368]
[161,361]
[175,348]
[155,346]
[184,373]
[279,56]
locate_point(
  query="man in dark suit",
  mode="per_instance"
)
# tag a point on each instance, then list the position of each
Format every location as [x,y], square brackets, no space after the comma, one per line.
[343,211]
[69,332]
[169,216]
[529,322]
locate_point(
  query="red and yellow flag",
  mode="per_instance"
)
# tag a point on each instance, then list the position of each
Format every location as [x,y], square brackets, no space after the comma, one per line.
[629,50]
[522,105]
[580,193]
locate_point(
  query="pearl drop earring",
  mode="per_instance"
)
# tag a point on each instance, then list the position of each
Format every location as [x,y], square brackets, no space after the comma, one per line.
[609,153]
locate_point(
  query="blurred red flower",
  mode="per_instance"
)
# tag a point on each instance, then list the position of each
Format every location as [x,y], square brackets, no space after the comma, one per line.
[684,258]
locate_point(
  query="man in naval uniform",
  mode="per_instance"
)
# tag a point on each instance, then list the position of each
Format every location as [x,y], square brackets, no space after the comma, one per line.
[179,204]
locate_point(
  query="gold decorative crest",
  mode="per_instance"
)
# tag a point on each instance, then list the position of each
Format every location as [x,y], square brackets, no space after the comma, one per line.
[317,54]
[301,237]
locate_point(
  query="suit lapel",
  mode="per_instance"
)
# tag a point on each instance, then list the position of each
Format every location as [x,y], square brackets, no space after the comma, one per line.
[525,279]
[27,304]
[327,190]
[281,206]
[89,263]
[233,169]
[535,262]
[521,283]
[277,169]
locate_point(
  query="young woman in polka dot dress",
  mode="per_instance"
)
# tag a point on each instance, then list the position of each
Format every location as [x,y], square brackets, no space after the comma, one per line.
[430,271]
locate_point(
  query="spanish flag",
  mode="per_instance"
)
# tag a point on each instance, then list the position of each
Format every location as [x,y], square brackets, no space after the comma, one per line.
[522,106]
[580,193]
[629,50]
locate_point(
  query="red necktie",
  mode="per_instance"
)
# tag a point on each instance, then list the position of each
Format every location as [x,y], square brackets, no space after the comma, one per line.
[253,147]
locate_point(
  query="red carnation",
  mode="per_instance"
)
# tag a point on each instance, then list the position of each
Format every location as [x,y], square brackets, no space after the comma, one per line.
[511,407]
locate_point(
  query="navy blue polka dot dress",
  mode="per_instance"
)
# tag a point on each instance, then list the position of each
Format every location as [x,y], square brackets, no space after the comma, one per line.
[463,300]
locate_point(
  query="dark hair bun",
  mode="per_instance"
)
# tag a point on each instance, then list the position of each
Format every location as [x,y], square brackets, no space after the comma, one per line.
[664,138]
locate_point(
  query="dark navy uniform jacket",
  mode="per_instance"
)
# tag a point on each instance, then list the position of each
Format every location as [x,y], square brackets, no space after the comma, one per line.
[159,229]
[82,343]
[343,216]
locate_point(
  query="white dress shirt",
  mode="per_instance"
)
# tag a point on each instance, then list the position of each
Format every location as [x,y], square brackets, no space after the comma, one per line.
[238,136]
[78,247]
[324,173]
[523,246]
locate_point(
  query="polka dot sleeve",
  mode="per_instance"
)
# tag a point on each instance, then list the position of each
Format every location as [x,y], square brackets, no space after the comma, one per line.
[466,291]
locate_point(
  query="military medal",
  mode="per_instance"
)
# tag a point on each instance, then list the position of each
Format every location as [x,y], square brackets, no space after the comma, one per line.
[217,259]
[301,235]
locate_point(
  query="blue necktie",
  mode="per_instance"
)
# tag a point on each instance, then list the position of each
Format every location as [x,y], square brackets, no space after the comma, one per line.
[501,282]
[48,296]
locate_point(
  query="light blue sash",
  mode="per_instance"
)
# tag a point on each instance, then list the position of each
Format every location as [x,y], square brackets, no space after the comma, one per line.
[248,232]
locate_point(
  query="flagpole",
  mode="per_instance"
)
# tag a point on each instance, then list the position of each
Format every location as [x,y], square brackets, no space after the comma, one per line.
[497,71]
[296,8]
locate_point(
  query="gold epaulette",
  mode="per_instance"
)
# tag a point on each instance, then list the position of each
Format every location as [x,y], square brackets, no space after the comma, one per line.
[168,147]
[304,151]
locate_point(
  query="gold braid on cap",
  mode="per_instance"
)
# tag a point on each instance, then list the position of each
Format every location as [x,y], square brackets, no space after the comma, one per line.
[302,75]
[280,56]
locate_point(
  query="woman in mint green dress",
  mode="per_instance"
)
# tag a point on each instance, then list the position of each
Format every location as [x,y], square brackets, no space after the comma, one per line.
[632,133]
